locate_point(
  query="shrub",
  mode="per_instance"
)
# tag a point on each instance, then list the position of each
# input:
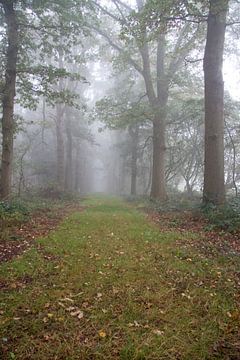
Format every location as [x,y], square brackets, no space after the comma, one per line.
[225,217]
[11,213]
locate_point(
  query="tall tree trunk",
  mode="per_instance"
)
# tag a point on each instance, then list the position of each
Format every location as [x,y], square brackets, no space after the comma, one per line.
[69,149]
[9,90]
[158,188]
[60,146]
[214,191]
[234,160]
[148,187]
[60,110]
[77,168]
[189,189]
[134,134]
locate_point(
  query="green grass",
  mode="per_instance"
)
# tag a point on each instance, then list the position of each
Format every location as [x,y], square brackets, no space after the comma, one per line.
[143,294]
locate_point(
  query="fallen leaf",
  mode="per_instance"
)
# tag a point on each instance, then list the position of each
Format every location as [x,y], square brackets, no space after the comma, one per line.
[102,334]
[80,315]
[136,324]
[158,332]
[71,308]
[77,313]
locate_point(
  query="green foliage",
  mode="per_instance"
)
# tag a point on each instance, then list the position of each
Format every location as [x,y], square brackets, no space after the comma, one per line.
[39,80]
[12,213]
[225,217]
[177,203]
[47,31]
[159,16]
[53,192]
[118,113]
[13,207]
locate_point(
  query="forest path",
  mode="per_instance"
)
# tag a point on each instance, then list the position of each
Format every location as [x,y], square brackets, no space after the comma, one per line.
[108,284]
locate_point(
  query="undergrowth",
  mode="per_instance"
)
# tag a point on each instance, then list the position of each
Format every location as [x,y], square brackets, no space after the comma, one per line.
[18,210]
[225,217]
[12,213]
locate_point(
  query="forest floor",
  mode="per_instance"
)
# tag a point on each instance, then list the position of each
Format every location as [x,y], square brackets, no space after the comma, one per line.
[113,283]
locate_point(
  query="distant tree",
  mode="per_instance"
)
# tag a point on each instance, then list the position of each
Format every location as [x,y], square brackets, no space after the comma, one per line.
[124,112]
[185,143]
[156,58]
[29,38]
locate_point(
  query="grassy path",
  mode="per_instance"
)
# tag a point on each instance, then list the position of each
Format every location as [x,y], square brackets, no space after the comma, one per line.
[109,285]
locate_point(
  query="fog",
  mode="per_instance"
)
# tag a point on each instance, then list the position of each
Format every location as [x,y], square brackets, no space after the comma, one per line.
[119,179]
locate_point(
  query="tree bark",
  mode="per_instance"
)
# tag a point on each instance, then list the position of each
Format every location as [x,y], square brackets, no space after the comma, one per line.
[69,150]
[158,189]
[158,103]
[214,191]
[134,134]
[9,91]
[189,189]
[60,147]
[77,168]
[234,160]
[60,110]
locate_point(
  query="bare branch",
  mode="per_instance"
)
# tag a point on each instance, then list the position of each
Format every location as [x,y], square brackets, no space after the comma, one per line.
[127,7]
[105,11]
[190,61]
[120,11]
[118,48]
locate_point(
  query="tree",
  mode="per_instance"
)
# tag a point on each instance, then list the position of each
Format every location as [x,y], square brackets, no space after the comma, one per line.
[214,191]
[30,37]
[8,95]
[138,45]
[185,151]
[126,109]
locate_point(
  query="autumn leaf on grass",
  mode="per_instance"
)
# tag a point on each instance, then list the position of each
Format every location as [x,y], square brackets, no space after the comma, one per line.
[78,313]
[60,318]
[158,332]
[134,324]
[71,308]
[102,334]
